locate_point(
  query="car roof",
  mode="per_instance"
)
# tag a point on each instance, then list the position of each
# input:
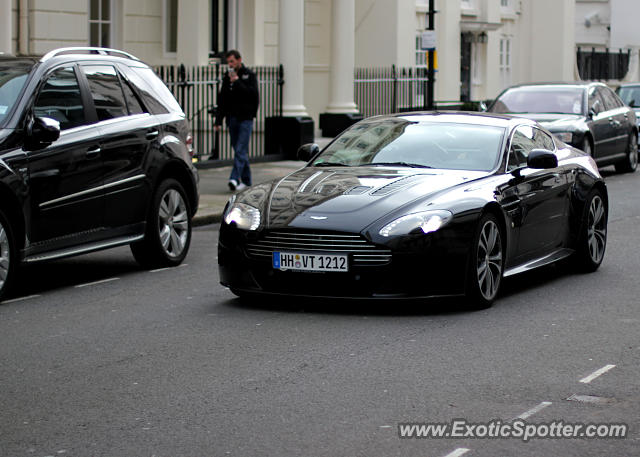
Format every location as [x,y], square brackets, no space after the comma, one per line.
[576,84]
[464,117]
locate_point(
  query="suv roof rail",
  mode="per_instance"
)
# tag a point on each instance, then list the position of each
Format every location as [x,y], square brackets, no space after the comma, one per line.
[88,50]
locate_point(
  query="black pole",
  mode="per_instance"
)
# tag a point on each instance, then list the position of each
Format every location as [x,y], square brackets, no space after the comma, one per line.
[431,76]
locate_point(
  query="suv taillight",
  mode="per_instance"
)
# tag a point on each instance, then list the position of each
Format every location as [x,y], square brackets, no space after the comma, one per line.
[189,143]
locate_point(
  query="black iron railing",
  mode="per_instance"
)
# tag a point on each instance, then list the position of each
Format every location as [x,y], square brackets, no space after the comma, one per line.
[602,64]
[196,89]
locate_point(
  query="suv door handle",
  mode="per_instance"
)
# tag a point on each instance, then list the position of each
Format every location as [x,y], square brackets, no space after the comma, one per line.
[93,152]
[152,135]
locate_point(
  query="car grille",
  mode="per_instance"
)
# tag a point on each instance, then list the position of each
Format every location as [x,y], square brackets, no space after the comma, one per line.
[362,252]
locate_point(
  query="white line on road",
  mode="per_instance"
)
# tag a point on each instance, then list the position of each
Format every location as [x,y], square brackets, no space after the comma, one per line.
[596,373]
[13,300]
[458,452]
[96,282]
[168,268]
[534,410]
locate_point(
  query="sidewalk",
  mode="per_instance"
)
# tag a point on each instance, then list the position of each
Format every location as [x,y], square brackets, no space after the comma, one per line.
[214,191]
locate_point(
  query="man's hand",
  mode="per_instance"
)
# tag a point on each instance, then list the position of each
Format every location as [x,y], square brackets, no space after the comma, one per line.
[233,76]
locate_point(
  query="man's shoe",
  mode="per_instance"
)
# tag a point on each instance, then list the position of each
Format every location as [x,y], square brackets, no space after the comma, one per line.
[233,184]
[241,186]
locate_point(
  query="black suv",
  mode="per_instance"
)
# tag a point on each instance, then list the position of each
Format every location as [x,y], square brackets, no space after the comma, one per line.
[94,153]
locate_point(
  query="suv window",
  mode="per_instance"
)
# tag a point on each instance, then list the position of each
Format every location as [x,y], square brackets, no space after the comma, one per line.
[523,141]
[132,100]
[60,99]
[106,91]
[148,82]
[12,80]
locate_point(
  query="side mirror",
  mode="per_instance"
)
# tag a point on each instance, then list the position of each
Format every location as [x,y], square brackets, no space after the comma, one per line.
[43,131]
[307,151]
[542,158]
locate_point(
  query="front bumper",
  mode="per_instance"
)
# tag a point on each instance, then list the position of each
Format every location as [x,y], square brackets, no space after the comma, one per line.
[435,265]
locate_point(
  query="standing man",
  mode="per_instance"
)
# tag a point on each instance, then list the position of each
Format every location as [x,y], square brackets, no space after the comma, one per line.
[238,101]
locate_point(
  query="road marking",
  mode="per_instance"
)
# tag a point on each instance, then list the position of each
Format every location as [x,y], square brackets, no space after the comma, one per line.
[458,452]
[596,373]
[13,300]
[95,282]
[534,410]
[168,268]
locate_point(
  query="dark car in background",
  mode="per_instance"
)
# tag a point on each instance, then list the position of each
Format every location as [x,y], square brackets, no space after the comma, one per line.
[417,205]
[630,95]
[586,115]
[94,153]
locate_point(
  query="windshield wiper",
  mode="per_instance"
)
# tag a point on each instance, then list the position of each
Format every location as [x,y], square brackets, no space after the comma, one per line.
[400,164]
[331,164]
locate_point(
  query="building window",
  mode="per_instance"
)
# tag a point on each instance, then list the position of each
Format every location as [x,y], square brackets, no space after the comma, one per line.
[505,61]
[504,3]
[219,28]
[170,26]
[100,27]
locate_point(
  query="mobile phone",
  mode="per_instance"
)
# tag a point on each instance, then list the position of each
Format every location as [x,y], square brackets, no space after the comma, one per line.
[232,72]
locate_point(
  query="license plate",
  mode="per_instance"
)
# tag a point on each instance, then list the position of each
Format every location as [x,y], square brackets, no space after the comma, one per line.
[310,262]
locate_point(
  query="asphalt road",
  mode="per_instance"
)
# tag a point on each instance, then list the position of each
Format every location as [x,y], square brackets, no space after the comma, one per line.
[101,358]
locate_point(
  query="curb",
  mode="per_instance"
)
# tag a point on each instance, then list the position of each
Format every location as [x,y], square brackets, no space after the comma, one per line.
[206,219]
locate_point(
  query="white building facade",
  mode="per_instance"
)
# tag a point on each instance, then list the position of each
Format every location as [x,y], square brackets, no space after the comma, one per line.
[482,45]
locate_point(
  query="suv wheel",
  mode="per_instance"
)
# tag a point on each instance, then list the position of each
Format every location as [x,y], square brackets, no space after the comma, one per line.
[7,254]
[168,233]
[630,162]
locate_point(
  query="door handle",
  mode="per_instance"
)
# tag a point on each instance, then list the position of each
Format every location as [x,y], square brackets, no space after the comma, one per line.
[93,152]
[152,135]
[614,122]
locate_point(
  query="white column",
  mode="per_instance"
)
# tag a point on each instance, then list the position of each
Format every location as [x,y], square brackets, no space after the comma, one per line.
[343,14]
[291,44]
[6,20]
[193,32]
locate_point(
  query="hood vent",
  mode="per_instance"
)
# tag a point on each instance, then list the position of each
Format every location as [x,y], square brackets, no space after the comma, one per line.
[397,185]
[358,190]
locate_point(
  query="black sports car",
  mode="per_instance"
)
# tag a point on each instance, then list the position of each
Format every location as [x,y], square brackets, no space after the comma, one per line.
[417,205]
[587,115]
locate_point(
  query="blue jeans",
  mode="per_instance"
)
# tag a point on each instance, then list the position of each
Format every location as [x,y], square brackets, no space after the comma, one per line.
[240,132]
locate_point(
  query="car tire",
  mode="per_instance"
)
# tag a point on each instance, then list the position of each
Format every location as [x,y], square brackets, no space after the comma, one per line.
[486,263]
[8,255]
[586,146]
[592,238]
[168,229]
[630,162]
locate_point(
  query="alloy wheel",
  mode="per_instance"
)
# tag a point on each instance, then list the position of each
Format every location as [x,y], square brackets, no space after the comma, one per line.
[173,223]
[489,265]
[5,253]
[597,229]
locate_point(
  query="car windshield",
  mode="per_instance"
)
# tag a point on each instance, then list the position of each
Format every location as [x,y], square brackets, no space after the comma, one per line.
[12,80]
[630,95]
[401,142]
[541,99]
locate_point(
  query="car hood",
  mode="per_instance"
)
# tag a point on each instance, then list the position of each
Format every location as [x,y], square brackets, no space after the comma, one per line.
[555,122]
[347,198]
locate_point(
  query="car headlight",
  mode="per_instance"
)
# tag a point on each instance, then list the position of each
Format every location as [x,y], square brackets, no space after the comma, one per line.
[564,136]
[422,222]
[246,217]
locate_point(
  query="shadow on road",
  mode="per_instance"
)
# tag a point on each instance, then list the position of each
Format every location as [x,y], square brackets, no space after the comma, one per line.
[43,277]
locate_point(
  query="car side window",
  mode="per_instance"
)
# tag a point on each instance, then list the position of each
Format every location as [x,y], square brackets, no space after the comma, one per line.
[522,142]
[106,91]
[595,100]
[134,105]
[543,141]
[60,99]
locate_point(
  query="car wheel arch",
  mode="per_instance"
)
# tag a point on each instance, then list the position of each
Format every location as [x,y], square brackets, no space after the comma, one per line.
[495,209]
[175,169]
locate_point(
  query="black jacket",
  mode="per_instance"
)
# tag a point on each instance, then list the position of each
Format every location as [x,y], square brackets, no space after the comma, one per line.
[240,98]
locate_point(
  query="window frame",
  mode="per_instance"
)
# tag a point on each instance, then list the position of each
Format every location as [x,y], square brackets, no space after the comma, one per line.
[92,101]
[100,22]
[214,45]
[165,30]
[89,114]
